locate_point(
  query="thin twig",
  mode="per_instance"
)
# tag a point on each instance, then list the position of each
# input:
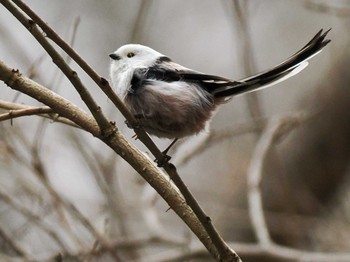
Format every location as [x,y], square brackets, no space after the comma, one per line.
[25,112]
[54,117]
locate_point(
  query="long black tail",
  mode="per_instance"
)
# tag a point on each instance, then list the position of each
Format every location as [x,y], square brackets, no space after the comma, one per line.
[286,69]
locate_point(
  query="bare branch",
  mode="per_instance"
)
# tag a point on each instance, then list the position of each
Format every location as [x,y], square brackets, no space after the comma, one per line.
[25,112]
[54,117]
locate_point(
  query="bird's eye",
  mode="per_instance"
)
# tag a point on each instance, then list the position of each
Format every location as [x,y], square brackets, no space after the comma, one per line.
[130,54]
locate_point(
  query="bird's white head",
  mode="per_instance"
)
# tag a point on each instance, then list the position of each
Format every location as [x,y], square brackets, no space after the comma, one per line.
[133,56]
[125,60]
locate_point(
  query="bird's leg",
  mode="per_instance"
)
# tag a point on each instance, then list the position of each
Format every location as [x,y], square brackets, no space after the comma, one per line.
[165,152]
[138,117]
[138,124]
[165,159]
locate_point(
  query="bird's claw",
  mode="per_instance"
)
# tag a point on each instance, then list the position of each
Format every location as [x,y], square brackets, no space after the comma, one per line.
[161,162]
[137,123]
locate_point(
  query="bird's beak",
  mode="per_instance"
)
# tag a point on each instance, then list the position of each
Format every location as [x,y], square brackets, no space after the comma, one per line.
[114,56]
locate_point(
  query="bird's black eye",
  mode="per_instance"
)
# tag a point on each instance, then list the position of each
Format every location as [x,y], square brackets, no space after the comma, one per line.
[130,54]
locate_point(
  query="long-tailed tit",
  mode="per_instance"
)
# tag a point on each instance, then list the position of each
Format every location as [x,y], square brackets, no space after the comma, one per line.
[173,101]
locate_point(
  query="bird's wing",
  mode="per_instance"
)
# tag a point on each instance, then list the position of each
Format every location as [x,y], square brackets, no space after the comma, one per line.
[166,70]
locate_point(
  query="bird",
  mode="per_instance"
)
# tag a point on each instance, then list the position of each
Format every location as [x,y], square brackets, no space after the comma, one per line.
[172,101]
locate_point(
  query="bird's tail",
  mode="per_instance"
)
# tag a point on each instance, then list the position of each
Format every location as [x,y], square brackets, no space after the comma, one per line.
[279,73]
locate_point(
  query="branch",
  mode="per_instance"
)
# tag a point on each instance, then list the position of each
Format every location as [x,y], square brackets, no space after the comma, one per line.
[54,117]
[25,112]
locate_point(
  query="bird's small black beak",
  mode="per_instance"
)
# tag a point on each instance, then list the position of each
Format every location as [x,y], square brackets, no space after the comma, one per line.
[114,56]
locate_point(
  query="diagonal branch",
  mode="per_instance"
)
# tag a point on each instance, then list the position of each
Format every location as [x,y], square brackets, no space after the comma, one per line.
[220,246]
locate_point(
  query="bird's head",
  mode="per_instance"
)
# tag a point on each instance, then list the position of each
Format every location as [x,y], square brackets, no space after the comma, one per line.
[134,55]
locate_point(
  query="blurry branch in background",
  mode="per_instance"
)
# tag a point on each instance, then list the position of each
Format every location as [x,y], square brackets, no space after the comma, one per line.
[144,14]
[33,218]
[218,136]
[11,245]
[276,128]
[199,223]
[97,168]
[62,205]
[329,7]
[246,52]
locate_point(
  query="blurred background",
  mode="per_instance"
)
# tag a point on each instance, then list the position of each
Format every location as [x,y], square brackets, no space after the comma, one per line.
[64,192]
